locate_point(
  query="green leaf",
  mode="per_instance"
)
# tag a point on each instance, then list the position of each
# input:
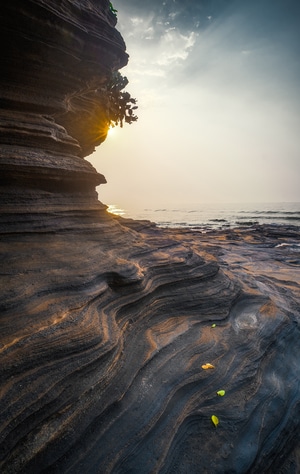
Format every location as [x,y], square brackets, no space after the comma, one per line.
[221,393]
[213,325]
[215,420]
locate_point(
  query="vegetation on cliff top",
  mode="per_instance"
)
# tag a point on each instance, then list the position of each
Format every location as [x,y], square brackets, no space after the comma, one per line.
[119,104]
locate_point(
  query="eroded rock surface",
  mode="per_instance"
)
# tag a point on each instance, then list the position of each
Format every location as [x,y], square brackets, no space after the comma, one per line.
[105,322]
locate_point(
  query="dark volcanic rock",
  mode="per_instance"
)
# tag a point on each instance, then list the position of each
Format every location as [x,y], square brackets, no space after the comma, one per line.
[106,323]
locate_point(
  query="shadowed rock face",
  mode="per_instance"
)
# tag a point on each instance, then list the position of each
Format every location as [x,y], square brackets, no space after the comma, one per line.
[105,322]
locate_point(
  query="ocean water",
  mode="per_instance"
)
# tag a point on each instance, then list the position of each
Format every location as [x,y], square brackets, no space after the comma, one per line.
[216,216]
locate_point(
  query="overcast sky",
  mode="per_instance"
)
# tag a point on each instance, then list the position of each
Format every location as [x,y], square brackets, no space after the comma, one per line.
[218,89]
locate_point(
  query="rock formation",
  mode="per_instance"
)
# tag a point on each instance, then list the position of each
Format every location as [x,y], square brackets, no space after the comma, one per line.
[105,322]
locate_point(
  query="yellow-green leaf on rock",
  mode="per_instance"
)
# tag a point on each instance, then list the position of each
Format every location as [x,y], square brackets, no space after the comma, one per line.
[221,393]
[215,420]
[213,325]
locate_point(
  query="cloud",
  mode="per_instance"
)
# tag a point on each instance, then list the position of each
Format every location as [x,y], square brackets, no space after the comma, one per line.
[230,45]
[175,47]
[185,16]
[159,49]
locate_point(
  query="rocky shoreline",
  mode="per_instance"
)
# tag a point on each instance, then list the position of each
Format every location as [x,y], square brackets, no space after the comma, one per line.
[103,342]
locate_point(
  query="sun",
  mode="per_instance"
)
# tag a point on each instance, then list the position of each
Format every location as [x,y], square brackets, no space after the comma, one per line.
[111,130]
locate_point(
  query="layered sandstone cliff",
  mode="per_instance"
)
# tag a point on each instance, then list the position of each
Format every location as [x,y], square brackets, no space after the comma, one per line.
[106,323]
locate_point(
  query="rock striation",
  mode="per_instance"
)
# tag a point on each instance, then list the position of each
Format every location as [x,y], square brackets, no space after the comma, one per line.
[106,322]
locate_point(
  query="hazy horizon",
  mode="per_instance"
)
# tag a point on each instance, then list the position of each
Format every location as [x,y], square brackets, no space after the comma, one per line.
[218,91]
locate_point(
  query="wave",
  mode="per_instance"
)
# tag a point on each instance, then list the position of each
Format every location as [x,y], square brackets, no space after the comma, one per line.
[218,216]
[278,217]
[217,220]
[247,223]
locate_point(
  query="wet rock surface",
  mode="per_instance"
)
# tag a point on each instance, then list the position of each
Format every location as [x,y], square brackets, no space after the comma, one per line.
[104,332]
[106,322]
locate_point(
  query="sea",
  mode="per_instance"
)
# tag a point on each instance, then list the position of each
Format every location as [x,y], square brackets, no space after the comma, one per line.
[215,216]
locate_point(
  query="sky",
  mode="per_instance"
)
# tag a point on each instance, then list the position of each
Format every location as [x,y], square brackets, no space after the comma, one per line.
[218,90]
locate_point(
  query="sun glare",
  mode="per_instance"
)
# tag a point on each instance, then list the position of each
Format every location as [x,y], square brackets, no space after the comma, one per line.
[113,209]
[111,130]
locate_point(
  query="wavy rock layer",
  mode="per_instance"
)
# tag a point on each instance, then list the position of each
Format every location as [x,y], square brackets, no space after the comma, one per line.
[105,322]
[104,333]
